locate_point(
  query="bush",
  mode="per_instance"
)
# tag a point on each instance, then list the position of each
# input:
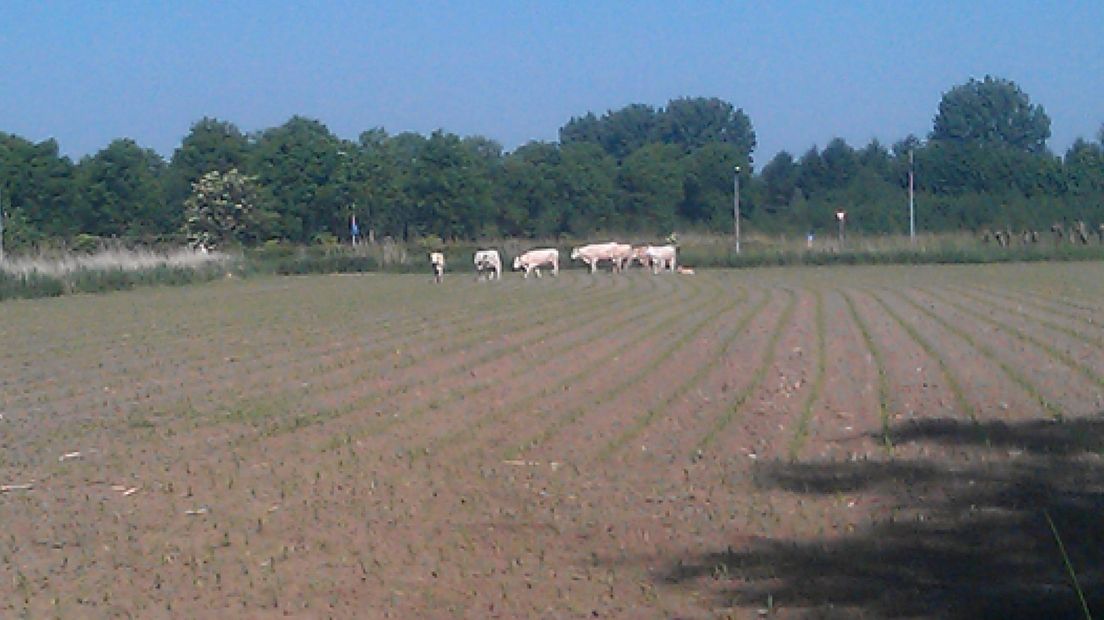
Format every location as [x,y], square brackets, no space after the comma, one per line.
[86,244]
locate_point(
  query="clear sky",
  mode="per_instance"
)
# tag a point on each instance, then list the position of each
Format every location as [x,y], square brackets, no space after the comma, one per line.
[88,72]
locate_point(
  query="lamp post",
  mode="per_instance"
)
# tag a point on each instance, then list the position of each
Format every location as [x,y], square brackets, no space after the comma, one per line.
[1,226]
[736,206]
[912,210]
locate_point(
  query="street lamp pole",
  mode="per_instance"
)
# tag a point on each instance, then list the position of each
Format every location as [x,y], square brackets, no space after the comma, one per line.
[736,207]
[1,226]
[912,210]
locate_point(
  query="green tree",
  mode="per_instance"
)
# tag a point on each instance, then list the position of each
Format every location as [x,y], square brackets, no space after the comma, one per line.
[708,185]
[780,177]
[652,182]
[449,188]
[695,122]
[840,164]
[586,186]
[300,164]
[119,192]
[373,185]
[211,144]
[812,172]
[37,184]
[1084,164]
[530,203]
[225,209]
[619,132]
[586,128]
[991,112]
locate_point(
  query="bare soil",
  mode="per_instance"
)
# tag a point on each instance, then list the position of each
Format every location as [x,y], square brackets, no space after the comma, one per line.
[844,442]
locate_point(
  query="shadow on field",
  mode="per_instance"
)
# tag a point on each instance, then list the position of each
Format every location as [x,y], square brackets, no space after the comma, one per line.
[983,549]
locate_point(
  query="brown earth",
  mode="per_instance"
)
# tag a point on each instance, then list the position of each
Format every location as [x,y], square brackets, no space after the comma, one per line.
[844,442]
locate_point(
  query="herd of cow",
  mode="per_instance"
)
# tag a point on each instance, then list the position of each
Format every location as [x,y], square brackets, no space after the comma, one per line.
[488,263]
[1076,233]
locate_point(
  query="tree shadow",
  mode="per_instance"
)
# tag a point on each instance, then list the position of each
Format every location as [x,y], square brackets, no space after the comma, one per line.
[966,539]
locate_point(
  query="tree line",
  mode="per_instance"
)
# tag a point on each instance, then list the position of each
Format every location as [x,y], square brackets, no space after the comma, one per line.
[640,169]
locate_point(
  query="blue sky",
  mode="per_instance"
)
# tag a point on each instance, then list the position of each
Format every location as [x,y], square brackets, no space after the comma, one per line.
[805,72]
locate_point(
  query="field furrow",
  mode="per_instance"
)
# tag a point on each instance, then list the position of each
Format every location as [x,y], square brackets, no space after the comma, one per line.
[609,445]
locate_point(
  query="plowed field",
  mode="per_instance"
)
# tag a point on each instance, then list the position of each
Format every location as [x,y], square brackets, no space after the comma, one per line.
[877,442]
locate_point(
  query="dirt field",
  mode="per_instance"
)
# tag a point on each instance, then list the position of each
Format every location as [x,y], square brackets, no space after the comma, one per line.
[844,442]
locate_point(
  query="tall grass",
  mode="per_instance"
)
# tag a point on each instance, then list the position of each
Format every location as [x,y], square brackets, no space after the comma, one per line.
[109,270]
[947,248]
[697,250]
[58,274]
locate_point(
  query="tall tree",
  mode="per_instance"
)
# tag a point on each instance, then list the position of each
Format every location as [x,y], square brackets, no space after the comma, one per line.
[119,192]
[652,181]
[619,132]
[695,122]
[780,176]
[991,112]
[37,183]
[527,194]
[300,164]
[840,164]
[708,185]
[449,188]
[1084,164]
[211,144]
[586,185]
[586,128]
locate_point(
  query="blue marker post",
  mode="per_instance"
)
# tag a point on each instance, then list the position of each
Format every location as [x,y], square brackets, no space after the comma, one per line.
[354,230]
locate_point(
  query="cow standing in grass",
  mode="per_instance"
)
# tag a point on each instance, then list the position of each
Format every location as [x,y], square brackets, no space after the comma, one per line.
[489,263]
[533,260]
[593,253]
[1080,233]
[662,257]
[657,257]
[1059,233]
[437,261]
[621,256]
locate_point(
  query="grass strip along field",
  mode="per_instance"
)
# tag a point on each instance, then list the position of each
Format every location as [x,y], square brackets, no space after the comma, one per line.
[610,445]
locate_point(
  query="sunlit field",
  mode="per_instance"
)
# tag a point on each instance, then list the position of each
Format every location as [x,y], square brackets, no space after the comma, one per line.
[893,441]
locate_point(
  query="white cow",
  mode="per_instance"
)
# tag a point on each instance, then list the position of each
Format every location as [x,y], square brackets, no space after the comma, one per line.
[437,261]
[662,257]
[640,255]
[622,255]
[488,262]
[591,254]
[533,260]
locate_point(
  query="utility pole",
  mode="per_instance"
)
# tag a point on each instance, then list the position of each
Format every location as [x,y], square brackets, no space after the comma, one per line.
[912,209]
[1,225]
[736,207]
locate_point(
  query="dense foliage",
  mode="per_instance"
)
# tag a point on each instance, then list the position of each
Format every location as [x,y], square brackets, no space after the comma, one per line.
[640,169]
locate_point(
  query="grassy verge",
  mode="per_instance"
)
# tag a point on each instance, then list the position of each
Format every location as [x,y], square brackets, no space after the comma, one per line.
[109,271]
[120,270]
